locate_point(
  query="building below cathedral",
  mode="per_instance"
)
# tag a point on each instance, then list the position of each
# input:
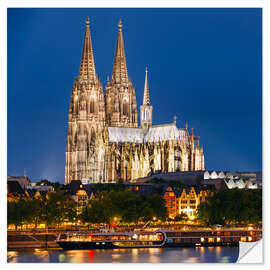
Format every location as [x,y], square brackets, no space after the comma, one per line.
[105,143]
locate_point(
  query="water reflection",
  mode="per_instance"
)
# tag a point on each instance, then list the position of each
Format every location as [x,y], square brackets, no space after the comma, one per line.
[141,255]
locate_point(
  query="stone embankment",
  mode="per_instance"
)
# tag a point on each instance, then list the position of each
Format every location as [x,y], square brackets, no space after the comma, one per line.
[30,240]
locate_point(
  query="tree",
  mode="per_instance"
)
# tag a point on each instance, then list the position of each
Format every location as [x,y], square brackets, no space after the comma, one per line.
[158,205]
[44,182]
[13,214]
[95,212]
[231,206]
[119,202]
[181,217]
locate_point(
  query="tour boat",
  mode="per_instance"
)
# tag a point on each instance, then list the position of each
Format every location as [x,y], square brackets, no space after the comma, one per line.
[111,240]
[156,239]
[216,237]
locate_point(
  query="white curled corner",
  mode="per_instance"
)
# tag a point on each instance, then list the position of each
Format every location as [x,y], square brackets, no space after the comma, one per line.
[250,252]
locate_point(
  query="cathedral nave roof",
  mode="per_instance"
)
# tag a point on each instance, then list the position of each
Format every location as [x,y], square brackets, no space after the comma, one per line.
[153,134]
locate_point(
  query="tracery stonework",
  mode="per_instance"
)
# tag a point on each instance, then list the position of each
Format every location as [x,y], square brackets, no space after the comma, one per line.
[104,142]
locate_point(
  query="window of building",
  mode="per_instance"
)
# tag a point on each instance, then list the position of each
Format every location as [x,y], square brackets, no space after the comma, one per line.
[146,114]
[92,106]
[125,108]
[93,136]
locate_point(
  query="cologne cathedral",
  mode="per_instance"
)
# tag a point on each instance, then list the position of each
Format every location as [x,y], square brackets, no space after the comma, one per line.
[105,143]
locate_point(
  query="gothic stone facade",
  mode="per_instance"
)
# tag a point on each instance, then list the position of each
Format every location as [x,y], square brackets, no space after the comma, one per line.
[105,143]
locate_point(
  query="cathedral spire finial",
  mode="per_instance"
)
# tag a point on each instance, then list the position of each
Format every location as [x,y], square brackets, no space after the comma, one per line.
[119,73]
[87,67]
[174,119]
[120,24]
[146,96]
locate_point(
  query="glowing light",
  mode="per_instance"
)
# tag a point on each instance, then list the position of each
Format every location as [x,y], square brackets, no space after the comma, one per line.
[187,210]
[249,238]
[202,239]
[218,239]
[91,253]
[61,257]
[210,239]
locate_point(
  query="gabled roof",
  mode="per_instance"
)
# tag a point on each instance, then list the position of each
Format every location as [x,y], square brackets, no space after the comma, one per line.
[124,134]
[31,192]
[74,186]
[178,191]
[163,189]
[89,190]
[15,188]
[165,132]
[153,134]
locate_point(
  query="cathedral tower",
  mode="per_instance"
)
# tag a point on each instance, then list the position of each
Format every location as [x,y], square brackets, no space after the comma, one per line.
[104,143]
[146,108]
[86,117]
[120,98]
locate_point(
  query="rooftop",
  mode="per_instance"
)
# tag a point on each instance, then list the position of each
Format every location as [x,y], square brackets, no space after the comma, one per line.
[153,134]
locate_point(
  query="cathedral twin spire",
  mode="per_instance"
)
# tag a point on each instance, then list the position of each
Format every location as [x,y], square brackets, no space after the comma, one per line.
[119,73]
[120,98]
[90,155]
[87,67]
[121,109]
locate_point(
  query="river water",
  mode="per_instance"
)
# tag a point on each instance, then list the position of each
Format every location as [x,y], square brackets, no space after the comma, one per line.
[142,255]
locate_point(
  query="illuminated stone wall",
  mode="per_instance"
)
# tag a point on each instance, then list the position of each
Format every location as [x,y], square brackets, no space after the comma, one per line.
[104,142]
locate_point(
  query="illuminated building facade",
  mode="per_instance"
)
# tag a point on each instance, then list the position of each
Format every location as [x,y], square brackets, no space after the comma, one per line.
[171,202]
[185,200]
[189,199]
[105,143]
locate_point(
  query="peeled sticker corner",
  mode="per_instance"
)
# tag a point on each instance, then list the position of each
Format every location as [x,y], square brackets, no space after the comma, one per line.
[250,252]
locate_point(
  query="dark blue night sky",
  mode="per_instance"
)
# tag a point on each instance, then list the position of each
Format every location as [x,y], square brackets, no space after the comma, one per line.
[205,66]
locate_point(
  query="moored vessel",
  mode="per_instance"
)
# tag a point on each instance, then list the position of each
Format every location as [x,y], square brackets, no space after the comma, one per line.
[111,240]
[224,237]
[156,239]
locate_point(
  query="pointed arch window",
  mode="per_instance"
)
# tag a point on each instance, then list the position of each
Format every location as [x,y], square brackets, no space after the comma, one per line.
[125,108]
[109,105]
[93,136]
[116,107]
[146,114]
[92,105]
